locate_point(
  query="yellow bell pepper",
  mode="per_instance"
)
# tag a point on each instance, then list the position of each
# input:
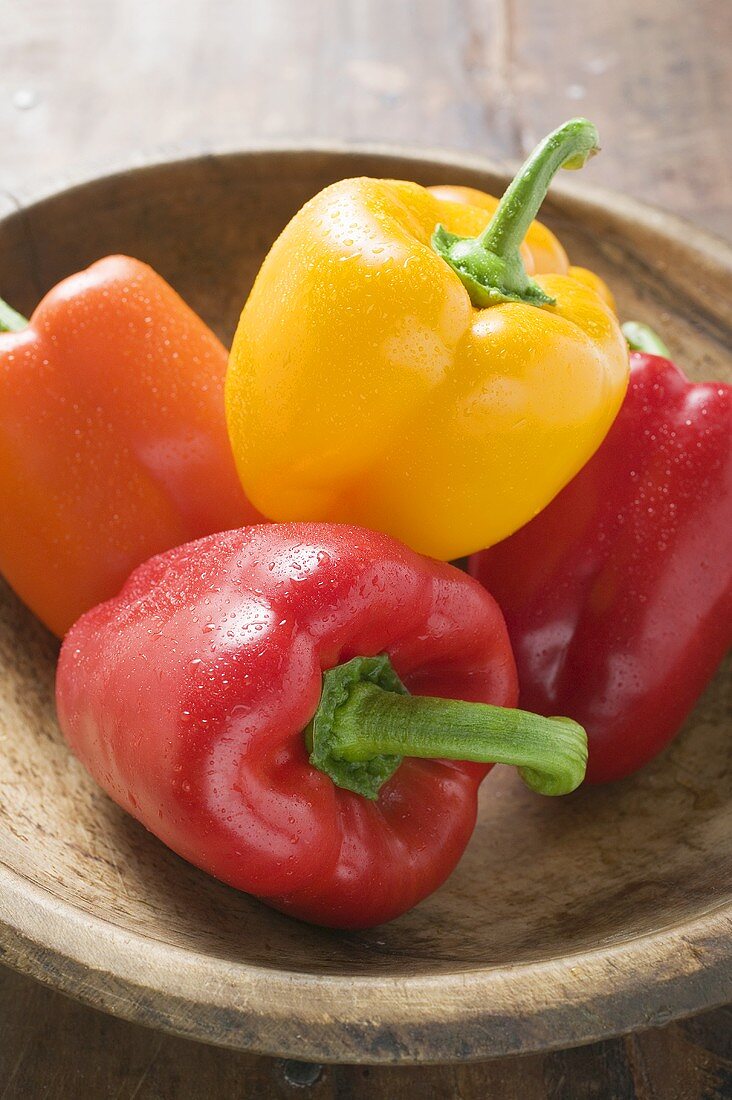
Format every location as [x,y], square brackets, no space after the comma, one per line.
[396,366]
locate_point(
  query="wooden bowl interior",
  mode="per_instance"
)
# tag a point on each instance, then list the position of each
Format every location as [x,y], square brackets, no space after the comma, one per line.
[542,880]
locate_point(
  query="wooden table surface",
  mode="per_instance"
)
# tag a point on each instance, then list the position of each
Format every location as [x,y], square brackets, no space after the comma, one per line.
[84,84]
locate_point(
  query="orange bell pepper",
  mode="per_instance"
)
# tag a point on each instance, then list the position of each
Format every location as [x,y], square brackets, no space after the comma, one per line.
[113,443]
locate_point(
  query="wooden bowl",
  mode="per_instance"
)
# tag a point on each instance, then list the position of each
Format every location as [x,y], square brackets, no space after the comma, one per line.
[567,921]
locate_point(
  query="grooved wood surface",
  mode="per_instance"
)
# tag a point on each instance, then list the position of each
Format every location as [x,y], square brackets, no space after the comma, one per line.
[84,84]
[52,1047]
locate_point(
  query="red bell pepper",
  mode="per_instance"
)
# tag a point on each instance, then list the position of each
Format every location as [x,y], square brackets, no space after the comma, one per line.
[618,596]
[247,698]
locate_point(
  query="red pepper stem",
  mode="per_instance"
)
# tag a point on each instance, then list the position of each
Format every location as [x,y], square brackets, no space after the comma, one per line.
[640,337]
[366,727]
[10,319]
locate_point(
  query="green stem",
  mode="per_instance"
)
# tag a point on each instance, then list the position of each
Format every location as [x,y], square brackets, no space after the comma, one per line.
[490,265]
[640,337]
[10,320]
[367,722]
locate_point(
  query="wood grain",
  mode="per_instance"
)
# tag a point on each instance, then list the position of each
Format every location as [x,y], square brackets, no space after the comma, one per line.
[83,83]
[54,1047]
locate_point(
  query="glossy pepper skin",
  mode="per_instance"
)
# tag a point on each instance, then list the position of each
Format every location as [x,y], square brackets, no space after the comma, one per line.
[618,597]
[188,696]
[113,443]
[400,404]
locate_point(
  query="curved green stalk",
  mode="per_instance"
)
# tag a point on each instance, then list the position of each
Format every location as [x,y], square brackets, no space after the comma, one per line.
[490,265]
[367,722]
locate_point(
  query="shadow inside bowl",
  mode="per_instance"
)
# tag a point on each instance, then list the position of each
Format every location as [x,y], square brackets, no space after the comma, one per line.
[540,878]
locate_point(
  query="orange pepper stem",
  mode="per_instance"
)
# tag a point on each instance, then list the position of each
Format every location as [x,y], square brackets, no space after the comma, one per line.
[490,265]
[10,319]
[367,722]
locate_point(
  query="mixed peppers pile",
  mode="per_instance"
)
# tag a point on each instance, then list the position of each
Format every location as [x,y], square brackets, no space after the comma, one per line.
[265,670]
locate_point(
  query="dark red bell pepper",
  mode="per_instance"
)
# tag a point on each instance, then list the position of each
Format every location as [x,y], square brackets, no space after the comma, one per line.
[247,698]
[618,596]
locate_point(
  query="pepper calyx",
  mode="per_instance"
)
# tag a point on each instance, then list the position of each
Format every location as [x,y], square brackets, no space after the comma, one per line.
[490,265]
[485,276]
[367,722]
[364,777]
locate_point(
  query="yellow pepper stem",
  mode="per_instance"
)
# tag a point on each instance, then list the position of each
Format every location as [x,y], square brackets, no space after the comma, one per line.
[490,265]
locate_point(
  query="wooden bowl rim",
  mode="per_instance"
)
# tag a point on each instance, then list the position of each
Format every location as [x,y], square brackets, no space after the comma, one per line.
[716,249]
[645,981]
